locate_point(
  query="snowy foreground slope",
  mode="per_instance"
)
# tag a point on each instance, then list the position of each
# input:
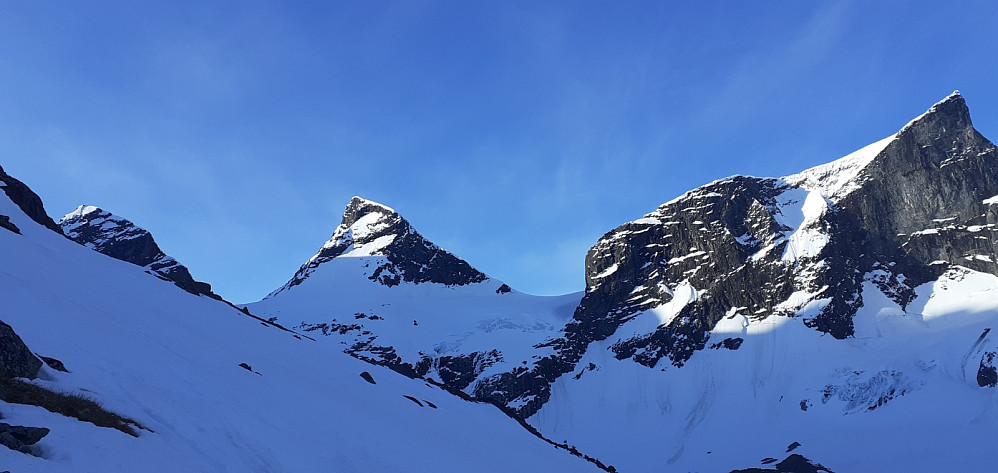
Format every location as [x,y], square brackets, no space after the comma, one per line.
[170,360]
[839,316]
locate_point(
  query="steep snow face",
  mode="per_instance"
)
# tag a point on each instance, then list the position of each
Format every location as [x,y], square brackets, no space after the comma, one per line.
[838,178]
[170,360]
[121,239]
[370,229]
[875,402]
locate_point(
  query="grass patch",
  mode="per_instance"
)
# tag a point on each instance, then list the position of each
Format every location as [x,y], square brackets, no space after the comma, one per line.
[70,405]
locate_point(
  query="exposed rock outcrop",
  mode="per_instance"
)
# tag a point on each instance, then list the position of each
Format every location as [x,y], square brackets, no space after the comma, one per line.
[121,239]
[27,200]
[20,438]
[16,360]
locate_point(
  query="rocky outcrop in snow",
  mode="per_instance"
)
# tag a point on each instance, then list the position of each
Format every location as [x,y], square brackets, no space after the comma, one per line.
[27,200]
[121,239]
[16,360]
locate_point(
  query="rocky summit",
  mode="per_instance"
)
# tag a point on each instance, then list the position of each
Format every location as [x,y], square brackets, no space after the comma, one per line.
[372,229]
[121,239]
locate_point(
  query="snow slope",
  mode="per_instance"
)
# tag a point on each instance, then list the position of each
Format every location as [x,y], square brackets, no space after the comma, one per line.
[900,396]
[418,320]
[149,351]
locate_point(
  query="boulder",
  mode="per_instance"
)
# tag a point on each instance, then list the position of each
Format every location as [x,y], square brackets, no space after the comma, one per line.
[16,360]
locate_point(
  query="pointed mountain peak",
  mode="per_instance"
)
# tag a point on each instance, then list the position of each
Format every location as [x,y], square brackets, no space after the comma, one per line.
[358,202]
[835,180]
[361,208]
[121,239]
[950,113]
[371,229]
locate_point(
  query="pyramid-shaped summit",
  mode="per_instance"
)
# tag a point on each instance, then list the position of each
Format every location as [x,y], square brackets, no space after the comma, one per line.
[370,229]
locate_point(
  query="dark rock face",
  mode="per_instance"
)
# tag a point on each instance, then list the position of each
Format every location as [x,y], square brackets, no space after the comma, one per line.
[987,374]
[6,223]
[27,200]
[896,214]
[410,257]
[16,360]
[927,191]
[121,239]
[795,463]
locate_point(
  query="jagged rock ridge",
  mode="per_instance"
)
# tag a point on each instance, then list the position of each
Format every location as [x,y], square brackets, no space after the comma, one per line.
[121,239]
[372,229]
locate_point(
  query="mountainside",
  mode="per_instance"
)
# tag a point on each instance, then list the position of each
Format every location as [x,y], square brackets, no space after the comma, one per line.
[899,212]
[190,384]
[863,289]
[121,239]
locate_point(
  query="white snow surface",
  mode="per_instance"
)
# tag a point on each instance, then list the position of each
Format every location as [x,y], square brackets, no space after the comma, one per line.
[801,211]
[422,319]
[149,351]
[80,211]
[837,179]
[727,409]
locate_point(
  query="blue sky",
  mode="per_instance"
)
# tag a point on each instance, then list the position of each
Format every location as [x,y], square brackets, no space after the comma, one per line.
[512,133]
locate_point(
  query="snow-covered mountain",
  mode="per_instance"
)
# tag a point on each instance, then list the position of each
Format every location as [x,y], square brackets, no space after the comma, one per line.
[847,308]
[398,253]
[392,297]
[192,384]
[841,316]
[121,239]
